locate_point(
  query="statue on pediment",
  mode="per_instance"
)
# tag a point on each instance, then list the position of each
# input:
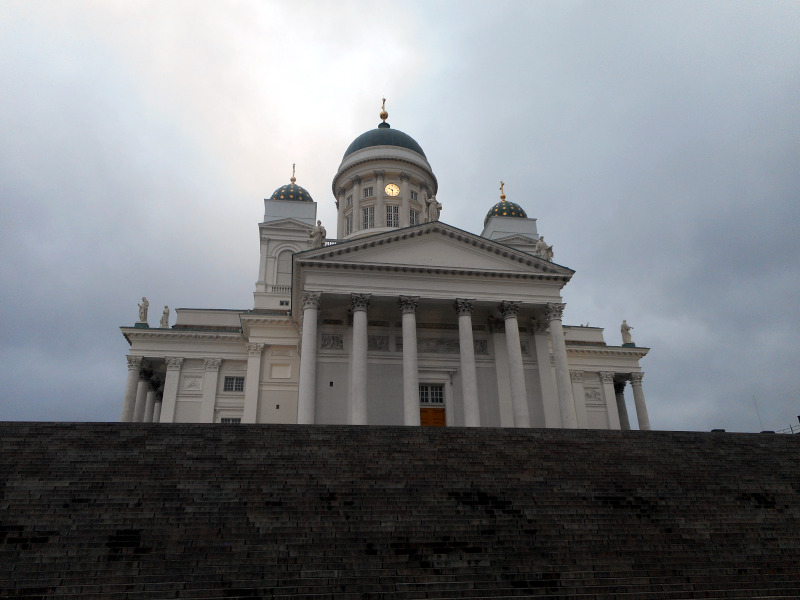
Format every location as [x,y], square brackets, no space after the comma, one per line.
[432,209]
[542,250]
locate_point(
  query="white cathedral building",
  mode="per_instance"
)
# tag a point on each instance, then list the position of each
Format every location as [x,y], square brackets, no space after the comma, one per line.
[401,320]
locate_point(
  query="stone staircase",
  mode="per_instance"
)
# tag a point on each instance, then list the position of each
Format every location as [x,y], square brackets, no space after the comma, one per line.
[254,511]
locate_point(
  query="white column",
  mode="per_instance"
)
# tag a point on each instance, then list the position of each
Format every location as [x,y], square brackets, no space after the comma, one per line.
[340,208]
[607,379]
[357,223]
[552,416]
[405,201]
[252,383]
[170,398]
[505,407]
[149,406]
[579,394]
[469,378]
[157,410]
[619,393]
[307,386]
[358,360]
[141,397]
[519,393]
[380,206]
[408,305]
[210,380]
[638,400]
[129,399]
[566,403]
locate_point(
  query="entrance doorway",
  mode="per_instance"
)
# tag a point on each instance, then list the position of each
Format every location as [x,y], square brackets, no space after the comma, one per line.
[431,405]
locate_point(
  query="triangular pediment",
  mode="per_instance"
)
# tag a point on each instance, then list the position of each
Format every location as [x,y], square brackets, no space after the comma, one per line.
[435,246]
[288,224]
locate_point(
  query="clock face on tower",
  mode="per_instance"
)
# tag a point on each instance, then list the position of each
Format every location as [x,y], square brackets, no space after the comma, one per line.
[391,190]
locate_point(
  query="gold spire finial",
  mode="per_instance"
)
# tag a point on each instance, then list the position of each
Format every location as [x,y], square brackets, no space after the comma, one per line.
[293,179]
[502,193]
[384,115]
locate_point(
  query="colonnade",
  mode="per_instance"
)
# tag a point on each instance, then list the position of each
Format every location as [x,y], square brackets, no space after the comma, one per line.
[464,307]
[142,400]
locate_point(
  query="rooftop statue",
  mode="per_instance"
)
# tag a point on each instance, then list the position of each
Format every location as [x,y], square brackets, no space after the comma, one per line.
[625,329]
[317,235]
[432,209]
[542,250]
[165,318]
[143,310]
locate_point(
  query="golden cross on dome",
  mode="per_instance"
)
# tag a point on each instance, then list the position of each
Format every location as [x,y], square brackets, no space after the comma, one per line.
[384,115]
[502,193]
[293,179]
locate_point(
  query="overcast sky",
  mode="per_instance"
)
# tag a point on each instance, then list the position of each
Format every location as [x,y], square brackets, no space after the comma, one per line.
[656,143]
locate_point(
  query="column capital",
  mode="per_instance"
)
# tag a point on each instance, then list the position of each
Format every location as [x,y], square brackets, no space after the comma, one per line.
[255,349]
[379,174]
[212,364]
[355,180]
[509,309]
[360,301]
[555,310]
[619,386]
[408,304]
[636,379]
[464,306]
[607,376]
[340,192]
[404,176]
[134,362]
[310,299]
[173,363]
[576,376]
[538,326]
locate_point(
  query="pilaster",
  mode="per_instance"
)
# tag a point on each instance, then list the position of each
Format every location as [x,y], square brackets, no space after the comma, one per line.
[579,394]
[210,383]
[607,380]
[252,382]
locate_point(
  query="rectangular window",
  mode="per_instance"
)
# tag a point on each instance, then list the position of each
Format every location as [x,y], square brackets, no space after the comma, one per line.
[230,420]
[233,384]
[414,195]
[367,192]
[413,217]
[369,217]
[393,216]
[349,201]
[348,224]
[431,394]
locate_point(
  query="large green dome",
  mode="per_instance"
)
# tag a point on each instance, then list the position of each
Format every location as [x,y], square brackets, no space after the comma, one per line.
[505,209]
[384,136]
[291,193]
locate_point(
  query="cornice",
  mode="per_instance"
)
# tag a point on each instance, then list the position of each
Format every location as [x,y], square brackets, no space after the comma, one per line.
[132,333]
[267,319]
[607,351]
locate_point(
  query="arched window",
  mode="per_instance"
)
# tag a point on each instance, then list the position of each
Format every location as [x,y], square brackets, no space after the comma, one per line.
[284,268]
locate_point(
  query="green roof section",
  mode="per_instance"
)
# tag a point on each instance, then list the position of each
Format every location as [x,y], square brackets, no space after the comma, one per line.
[384,135]
[505,209]
[291,193]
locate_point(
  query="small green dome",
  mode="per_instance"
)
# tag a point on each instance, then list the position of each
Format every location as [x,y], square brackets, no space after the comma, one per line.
[384,135]
[291,193]
[505,209]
